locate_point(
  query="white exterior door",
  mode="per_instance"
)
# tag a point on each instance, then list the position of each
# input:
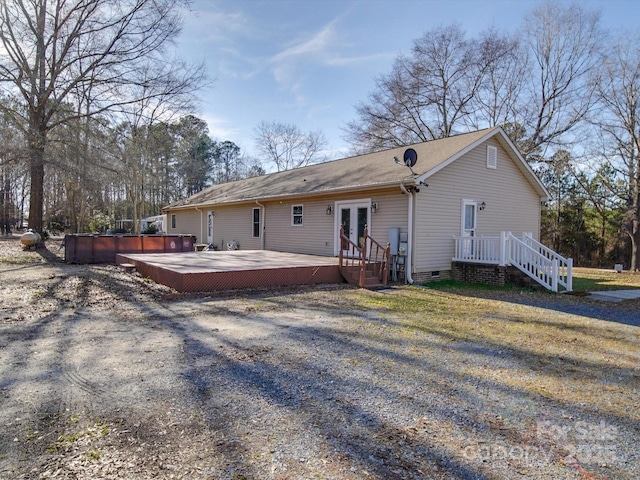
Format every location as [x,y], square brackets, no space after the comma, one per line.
[353,217]
[469,209]
[210,227]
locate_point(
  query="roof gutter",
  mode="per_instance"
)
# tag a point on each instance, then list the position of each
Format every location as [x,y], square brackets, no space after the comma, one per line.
[263,219]
[409,260]
[197,209]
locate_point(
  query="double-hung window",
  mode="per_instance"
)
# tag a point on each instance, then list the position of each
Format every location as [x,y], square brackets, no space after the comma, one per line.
[256,223]
[296,216]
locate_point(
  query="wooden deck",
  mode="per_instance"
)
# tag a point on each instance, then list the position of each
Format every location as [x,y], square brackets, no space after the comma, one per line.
[230,270]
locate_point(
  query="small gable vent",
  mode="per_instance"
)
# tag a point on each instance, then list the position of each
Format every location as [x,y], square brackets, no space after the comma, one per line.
[492,157]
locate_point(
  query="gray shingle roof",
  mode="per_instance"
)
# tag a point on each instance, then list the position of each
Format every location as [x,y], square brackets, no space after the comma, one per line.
[373,170]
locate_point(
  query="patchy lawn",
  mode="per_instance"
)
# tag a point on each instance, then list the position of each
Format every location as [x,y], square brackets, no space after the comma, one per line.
[592,279]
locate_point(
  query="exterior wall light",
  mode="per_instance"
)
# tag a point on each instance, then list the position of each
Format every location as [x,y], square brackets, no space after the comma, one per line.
[481,206]
[329,210]
[374,207]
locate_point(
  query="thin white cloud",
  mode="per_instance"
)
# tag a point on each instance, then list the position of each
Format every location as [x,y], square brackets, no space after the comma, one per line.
[289,66]
[217,25]
[318,44]
[326,47]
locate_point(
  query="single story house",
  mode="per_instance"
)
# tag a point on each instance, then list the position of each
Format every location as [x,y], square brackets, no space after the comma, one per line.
[435,200]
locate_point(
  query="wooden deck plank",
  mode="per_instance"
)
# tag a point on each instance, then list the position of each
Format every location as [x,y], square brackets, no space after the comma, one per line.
[229,270]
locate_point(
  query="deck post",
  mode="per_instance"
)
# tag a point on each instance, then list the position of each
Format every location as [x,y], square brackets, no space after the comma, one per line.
[503,249]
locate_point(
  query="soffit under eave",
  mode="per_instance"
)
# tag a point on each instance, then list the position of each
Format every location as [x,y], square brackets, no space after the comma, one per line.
[315,195]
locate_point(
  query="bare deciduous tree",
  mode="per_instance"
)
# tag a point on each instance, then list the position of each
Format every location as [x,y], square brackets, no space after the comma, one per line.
[448,81]
[564,44]
[58,51]
[501,90]
[287,147]
[618,124]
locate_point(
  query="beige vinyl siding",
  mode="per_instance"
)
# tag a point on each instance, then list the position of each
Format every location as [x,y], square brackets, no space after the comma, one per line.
[316,236]
[511,205]
[229,223]
[313,237]
[235,223]
[392,212]
[187,222]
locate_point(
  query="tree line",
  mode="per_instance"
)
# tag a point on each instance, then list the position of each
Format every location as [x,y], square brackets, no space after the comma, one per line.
[566,92]
[96,122]
[96,116]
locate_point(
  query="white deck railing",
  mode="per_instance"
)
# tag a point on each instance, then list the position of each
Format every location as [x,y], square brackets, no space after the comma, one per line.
[526,254]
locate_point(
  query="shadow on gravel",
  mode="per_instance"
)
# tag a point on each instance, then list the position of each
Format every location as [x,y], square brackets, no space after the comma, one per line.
[351,392]
[310,407]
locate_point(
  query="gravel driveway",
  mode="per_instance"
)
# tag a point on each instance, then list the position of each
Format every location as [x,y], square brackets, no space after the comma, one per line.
[103,376]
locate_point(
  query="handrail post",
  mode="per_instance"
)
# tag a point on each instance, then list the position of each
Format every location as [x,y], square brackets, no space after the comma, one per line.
[503,249]
[363,257]
[569,274]
[554,275]
[340,249]
[385,269]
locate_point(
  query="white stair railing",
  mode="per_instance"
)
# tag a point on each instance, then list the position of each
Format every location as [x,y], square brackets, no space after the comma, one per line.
[542,264]
[533,264]
[565,265]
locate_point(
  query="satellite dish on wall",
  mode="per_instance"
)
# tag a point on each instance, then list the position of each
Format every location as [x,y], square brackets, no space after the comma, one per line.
[410,157]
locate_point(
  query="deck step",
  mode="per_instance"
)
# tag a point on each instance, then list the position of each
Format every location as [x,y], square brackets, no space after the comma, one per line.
[128,267]
[352,276]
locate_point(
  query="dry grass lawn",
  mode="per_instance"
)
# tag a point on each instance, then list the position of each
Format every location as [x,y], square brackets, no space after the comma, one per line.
[453,382]
[592,279]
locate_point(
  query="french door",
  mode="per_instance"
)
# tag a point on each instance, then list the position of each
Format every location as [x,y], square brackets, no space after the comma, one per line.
[353,217]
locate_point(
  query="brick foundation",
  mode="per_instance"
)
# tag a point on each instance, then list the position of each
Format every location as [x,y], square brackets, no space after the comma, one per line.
[479,273]
[491,275]
[426,277]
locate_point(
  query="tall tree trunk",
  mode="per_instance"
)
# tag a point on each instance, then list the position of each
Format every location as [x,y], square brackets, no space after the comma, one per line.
[635,238]
[37,142]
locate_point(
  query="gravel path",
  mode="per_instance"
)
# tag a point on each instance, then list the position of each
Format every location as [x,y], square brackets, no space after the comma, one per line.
[100,377]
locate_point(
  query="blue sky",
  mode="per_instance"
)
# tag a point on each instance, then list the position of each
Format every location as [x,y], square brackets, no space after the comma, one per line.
[310,62]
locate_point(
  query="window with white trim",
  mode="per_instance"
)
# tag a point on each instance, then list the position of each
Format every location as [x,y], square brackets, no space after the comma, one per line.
[173,220]
[296,216]
[256,223]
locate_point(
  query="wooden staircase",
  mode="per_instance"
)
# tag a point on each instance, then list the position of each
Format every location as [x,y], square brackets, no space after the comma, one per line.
[366,266]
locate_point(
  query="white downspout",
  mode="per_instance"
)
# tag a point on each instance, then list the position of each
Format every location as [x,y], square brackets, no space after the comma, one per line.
[262,217]
[408,261]
[198,210]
